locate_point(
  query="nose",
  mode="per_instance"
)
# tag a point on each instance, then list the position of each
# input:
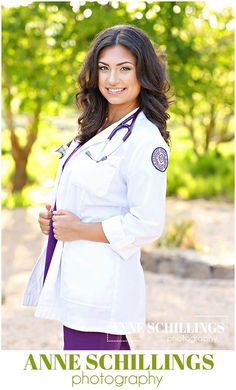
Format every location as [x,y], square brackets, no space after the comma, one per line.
[112,77]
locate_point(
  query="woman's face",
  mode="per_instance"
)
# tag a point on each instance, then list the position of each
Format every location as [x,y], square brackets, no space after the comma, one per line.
[117,79]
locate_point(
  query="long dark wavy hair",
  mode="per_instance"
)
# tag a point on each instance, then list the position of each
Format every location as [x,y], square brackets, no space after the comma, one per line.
[150,71]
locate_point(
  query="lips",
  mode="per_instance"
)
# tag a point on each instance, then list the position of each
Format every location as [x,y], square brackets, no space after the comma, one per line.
[115,91]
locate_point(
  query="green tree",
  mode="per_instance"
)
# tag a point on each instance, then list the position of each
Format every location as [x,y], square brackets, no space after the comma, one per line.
[204,83]
[205,78]
[198,43]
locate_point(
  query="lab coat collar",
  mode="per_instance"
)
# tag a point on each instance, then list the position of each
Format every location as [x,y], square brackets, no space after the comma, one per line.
[102,135]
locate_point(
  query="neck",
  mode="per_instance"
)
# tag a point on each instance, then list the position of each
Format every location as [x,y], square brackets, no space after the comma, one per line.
[115,113]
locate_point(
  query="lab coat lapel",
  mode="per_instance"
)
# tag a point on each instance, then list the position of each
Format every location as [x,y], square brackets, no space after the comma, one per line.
[59,171]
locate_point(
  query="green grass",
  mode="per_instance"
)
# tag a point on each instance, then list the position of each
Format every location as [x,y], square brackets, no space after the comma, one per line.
[179,234]
[210,176]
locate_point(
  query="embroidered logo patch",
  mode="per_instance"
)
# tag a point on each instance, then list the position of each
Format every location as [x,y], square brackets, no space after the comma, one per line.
[160,159]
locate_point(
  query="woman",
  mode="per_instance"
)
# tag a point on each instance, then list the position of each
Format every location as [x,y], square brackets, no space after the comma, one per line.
[109,197]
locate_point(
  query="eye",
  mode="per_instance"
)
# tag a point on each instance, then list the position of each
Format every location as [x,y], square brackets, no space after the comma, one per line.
[125,68]
[103,68]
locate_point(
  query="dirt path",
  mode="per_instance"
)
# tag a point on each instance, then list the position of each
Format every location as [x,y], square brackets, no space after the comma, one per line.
[213,225]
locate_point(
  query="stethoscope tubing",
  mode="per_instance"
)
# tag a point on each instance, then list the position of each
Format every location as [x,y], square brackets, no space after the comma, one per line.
[122,125]
[125,125]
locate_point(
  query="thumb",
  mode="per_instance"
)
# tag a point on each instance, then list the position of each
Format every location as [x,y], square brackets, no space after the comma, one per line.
[48,207]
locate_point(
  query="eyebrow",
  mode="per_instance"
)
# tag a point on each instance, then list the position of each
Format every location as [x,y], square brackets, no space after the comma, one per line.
[121,63]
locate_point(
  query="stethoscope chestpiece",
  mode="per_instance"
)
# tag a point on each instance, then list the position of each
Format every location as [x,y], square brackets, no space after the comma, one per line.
[62,150]
[88,153]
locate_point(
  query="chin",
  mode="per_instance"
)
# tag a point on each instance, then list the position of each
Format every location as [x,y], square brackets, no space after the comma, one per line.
[119,104]
[117,99]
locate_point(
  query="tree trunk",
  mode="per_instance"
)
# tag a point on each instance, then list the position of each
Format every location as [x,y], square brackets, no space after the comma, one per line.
[20,154]
[209,129]
[190,126]
[19,179]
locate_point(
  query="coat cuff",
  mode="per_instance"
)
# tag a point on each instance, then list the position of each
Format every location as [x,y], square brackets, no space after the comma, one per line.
[120,242]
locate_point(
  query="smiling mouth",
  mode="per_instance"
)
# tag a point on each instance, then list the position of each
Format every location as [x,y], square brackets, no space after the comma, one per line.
[115,91]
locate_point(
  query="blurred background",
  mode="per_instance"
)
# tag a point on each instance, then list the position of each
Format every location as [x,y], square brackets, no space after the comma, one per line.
[189,271]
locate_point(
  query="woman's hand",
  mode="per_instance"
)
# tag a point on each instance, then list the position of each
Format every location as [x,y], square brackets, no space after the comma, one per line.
[65,225]
[44,219]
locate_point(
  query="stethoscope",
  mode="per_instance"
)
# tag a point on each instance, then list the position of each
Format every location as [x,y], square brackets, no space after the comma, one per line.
[63,149]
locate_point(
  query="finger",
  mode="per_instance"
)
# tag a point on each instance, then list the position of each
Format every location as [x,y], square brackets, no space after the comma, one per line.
[44,221]
[45,214]
[45,229]
[48,207]
[46,232]
[60,212]
[53,218]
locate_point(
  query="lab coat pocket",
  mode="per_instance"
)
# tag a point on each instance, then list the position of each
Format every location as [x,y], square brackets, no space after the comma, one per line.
[95,177]
[89,271]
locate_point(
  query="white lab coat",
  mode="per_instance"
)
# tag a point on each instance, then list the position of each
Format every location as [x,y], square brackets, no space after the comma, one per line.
[95,286]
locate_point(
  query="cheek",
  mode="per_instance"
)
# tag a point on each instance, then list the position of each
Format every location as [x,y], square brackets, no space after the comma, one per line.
[136,85]
[138,88]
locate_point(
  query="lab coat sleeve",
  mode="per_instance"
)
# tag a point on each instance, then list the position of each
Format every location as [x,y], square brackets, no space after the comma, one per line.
[146,193]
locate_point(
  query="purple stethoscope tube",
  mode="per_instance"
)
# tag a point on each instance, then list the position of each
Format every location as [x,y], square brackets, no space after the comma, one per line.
[125,125]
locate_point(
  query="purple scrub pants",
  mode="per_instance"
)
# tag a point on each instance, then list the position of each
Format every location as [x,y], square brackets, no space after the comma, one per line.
[76,339]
